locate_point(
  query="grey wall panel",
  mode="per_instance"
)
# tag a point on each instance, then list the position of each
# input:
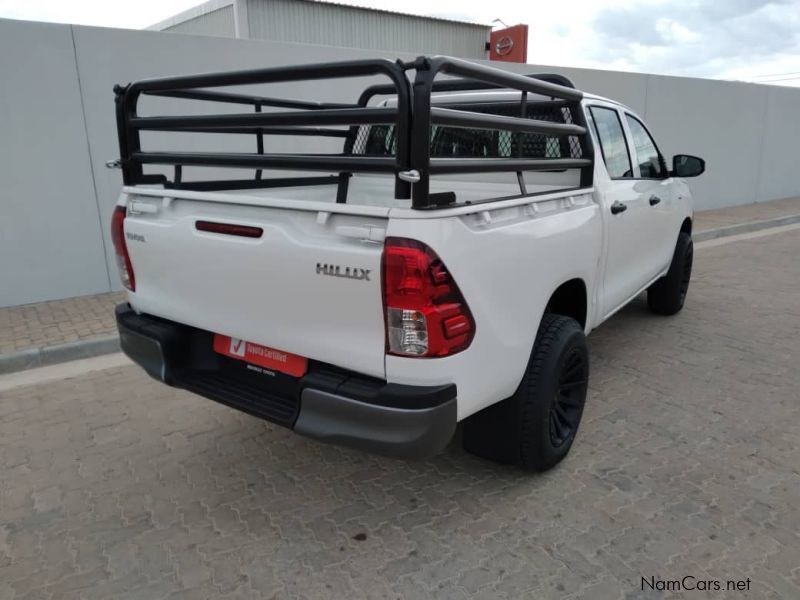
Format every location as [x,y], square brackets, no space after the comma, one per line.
[628,88]
[50,242]
[353,27]
[218,22]
[778,175]
[717,120]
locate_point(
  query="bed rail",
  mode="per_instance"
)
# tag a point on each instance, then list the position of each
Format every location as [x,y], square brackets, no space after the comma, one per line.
[412,116]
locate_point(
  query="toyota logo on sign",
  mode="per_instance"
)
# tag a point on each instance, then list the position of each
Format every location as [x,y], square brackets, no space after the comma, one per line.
[504,45]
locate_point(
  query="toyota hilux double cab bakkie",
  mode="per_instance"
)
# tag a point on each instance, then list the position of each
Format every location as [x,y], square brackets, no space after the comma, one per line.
[432,251]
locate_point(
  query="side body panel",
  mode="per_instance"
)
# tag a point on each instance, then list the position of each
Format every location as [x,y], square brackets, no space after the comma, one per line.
[507,263]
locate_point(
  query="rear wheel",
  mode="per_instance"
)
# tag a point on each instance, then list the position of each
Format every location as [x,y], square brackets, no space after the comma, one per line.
[536,426]
[667,295]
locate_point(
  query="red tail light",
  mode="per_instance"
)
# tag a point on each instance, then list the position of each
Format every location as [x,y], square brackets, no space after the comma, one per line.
[425,313]
[121,248]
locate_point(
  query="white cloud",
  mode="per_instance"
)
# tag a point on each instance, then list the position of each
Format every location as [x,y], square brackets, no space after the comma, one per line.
[676,33]
[135,14]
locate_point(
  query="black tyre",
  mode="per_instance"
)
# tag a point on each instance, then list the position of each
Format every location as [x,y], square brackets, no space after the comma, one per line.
[536,426]
[667,295]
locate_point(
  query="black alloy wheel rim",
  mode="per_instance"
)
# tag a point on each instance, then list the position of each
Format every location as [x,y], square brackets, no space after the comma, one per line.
[686,275]
[565,412]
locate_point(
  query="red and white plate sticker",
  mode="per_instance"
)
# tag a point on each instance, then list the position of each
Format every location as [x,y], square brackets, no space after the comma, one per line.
[263,356]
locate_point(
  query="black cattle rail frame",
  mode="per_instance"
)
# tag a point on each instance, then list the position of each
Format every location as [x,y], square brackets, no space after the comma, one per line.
[412,117]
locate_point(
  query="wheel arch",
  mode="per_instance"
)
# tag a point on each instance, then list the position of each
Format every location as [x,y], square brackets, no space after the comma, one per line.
[570,299]
[686,226]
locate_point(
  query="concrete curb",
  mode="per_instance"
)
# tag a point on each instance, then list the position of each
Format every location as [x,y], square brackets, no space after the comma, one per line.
[50,355]
[712,234]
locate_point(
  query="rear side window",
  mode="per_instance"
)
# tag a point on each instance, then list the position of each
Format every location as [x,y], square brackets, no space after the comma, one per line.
[608,128]
[647,155]
[380,141]
[452,142]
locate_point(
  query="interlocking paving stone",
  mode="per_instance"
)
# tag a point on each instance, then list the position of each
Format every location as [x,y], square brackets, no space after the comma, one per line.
[115,486]
[57,322]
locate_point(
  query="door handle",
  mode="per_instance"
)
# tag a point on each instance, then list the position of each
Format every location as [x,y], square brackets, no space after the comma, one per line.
[618,207]
[654,200]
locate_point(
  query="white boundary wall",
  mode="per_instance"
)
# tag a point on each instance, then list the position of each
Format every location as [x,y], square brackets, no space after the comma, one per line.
[57,129]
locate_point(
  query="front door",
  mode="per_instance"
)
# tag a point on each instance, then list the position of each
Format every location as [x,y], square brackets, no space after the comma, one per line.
[662,219]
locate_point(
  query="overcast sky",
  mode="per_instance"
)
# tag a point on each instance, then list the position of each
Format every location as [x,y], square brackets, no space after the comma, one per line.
[754,40]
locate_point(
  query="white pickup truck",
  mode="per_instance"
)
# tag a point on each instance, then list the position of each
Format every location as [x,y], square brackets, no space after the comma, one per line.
[465,229]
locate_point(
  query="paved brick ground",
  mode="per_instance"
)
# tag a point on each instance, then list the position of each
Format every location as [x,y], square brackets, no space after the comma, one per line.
[57,322]
[711,219]
[113,486]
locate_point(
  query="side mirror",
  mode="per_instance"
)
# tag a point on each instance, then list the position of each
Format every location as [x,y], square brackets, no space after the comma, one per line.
[685,165]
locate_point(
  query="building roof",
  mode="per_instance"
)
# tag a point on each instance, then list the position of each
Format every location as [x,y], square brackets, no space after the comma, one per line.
[397,12]
[212,5]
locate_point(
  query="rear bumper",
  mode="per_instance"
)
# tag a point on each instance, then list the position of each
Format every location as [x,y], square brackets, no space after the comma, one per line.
[327,403]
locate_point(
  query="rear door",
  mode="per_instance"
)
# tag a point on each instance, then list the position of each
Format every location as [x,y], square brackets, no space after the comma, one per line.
[308,284]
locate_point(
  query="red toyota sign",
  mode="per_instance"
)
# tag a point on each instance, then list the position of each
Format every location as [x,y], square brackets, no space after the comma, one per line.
[510,44]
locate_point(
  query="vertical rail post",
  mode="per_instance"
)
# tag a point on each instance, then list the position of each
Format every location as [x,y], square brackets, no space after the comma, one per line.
[523,113]
[342,184]
[125,104]
[421,131]
[402,131]
[259,141]
[587,151]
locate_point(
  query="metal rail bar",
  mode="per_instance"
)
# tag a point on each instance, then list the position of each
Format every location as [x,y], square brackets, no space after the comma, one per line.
[552,104]
[463,68]
[304,162]
[259,142]
[523,113]
[308,72]
[269,130]
[494,165]
[339,116]
[463,118]
[246,184]
[227,97]
[460,85]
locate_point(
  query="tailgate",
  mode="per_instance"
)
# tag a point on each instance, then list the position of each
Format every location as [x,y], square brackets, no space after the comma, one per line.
[309,285]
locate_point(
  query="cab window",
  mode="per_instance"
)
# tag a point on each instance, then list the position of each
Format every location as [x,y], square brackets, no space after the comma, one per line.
[609,132]
[451,142]
[650,164]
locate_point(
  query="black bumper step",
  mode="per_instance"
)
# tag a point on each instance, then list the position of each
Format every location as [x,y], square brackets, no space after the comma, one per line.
[232,391]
